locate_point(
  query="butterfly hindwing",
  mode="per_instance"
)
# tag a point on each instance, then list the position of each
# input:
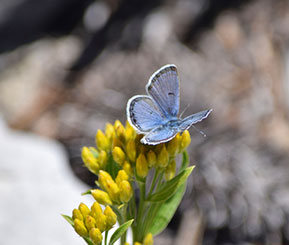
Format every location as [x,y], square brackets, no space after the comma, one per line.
[143,114]
[164,88]
[159,135]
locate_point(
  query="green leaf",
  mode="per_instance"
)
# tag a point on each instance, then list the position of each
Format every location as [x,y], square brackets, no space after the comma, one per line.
[86,193]
[119,231]
[166,211]
[88,241]
[68,219]
[169,188]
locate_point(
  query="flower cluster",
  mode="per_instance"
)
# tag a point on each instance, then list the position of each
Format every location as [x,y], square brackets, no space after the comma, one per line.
[90,223]
[123,144]
[122,164]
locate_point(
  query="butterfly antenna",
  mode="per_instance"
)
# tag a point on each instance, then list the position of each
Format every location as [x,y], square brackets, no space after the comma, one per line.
[201,132]
[184,110]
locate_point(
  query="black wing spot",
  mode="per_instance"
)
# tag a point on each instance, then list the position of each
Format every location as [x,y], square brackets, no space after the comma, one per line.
[171,93]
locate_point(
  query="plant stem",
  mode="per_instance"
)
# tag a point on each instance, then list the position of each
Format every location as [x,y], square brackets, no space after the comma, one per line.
[140,211]
[105,237]
[156,174]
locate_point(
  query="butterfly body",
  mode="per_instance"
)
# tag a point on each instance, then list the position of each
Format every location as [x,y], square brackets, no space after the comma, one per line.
[155,114]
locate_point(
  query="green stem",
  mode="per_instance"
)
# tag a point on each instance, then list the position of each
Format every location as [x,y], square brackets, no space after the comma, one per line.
[105,237]
[156,174]
[140,211]
[123,214]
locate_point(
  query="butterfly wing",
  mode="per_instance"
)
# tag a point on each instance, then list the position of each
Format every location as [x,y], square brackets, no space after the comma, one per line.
[192,119]
[163,87]
[143,114]
[159,135]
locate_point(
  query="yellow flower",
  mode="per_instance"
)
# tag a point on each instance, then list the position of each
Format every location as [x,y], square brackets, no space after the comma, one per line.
[100,221]
[118,155]
[173,146]
[163,157]
[102,159]
[185,140]
[101,196]
[89,222]
[95,235]
[148,240]
[142,166]
[129,131]
[109,132]
[152,158]
[125,191]
[110,217]
[127,168]
[108,184]
[80,228]
[89,160]
[131,150]
[121,175]
[83,209]
[101,141]
[76,214]
[119,129]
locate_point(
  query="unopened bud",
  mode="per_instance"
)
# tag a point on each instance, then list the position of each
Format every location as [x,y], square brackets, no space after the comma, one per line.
[125,191]
[101,141]
[131,150]
[95,235]
[80,228]
[152,158]
[101,197]
[110,217]
[83,209]
[163,157]
[142,166]
[118,155]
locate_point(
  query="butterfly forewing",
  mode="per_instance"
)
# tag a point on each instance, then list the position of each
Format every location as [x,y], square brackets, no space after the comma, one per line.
[195,118]
[143,114]
[163,87]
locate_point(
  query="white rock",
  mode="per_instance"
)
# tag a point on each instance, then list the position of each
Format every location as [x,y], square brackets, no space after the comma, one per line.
[36,187]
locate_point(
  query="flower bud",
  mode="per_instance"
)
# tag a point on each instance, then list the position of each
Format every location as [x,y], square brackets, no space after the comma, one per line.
[185,140]
[101,197]
[173,146]
[127,168]
[163,157]
[110,217]
[120,131]
[125,191]
[83,209]
[80,228]
[89,160]
[152,158]
[101,141]
[89,222]
[148,240]
[109,132]
[142,166]
[108,185]
[95,235]
[170,170]
[121,175]
[137,243]
[131,150]
[96,208]
[129,131]
[76,214]
[102,159]
[100,220]
[118,155]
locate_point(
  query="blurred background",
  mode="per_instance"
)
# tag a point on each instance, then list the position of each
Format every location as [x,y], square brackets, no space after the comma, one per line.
[68,67]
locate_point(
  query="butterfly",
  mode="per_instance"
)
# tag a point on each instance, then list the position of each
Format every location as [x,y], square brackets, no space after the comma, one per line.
[155,114]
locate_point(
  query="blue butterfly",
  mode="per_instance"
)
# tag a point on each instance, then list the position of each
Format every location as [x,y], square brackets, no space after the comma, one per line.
[155,114]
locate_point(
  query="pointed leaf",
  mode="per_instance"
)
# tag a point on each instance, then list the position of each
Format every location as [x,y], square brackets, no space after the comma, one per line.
[169,188]
[68,219]
[166,211]
[120,231]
